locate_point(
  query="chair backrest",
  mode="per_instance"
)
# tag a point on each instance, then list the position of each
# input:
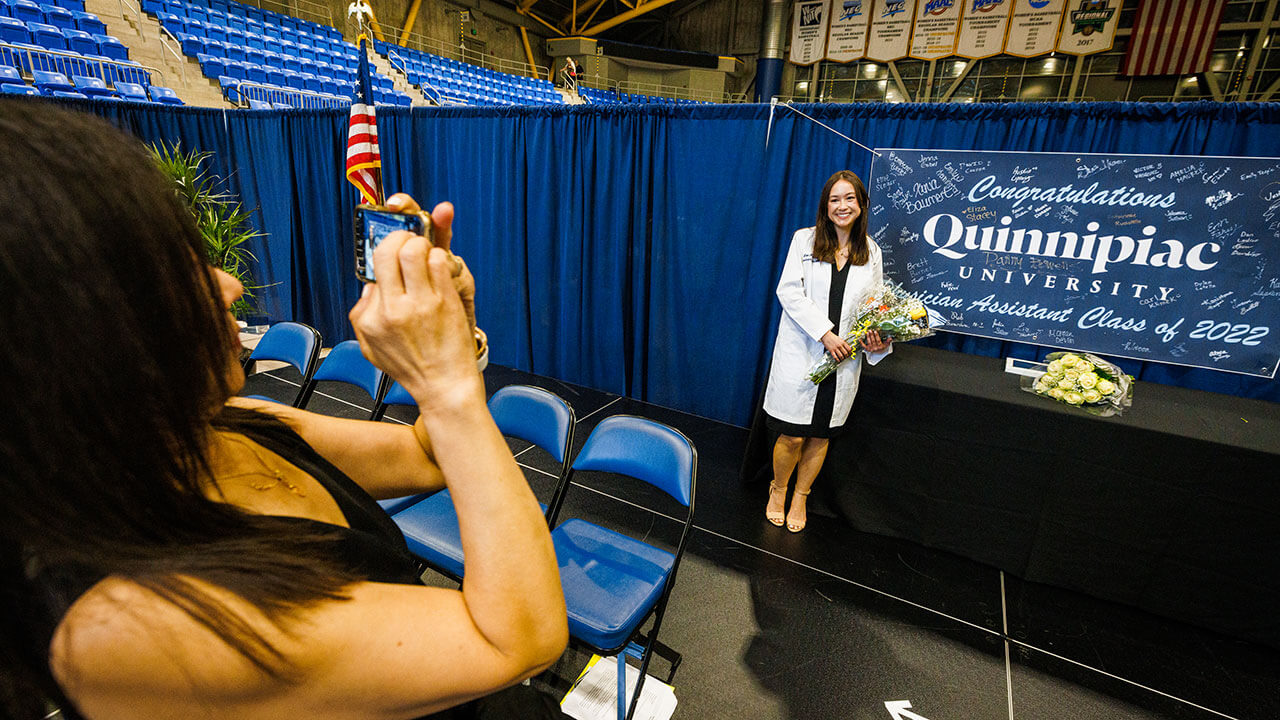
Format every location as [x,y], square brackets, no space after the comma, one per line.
[643,449]
[10,74]
[291,342]
[346,363]
[11,89]
[535,415]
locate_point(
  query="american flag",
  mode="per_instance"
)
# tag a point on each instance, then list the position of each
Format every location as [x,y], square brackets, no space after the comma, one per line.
[1173,37]
[364,162]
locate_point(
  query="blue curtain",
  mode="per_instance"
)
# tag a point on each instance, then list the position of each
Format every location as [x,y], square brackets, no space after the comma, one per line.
[635,249]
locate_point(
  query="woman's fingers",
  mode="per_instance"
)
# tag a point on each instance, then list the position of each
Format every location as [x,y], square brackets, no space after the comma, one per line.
[402,203]
[386,262]
[442,225]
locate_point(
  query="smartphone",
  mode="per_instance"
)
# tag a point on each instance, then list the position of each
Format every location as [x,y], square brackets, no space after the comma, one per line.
[372,225]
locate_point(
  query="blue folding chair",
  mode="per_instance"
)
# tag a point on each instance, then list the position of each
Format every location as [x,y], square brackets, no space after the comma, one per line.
[9,89]
[529,413]
[614,583]
[290,342]
[345,363]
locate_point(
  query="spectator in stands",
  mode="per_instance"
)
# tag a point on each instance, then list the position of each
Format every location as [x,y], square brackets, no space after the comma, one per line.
[570,74]
[169,551]
[828,268]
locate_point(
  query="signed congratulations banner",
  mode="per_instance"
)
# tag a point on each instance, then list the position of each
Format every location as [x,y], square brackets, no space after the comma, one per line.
[1167,258]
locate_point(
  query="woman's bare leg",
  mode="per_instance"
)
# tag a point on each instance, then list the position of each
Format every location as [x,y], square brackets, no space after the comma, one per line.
[812,455]
[786,453]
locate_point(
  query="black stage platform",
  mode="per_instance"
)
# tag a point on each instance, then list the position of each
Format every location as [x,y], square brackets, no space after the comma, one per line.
[834,623]
[1173,508]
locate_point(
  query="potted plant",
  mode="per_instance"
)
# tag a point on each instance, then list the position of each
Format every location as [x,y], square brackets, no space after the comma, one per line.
[222,221]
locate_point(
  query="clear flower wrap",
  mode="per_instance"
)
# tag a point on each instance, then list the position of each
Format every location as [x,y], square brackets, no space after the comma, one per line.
[1085,381]
[897,314]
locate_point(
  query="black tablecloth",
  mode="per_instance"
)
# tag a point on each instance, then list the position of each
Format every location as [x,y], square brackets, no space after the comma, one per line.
[1173,507]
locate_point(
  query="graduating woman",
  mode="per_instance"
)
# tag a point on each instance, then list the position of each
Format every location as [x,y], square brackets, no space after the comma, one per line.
[829,267]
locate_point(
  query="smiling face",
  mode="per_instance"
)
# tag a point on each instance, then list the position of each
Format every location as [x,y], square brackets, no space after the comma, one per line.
[842,206]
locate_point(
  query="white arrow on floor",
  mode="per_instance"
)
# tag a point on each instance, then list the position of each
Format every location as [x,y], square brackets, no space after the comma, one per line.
[901,710]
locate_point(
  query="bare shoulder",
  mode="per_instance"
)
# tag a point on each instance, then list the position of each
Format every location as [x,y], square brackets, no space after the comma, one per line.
[169,652]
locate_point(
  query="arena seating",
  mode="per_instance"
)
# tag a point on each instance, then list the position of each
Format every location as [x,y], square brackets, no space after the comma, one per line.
[62,38]
[276,60]
[617,97]
[452,82]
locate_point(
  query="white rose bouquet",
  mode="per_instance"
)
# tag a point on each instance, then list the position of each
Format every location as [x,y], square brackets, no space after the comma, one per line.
[890,309]
[1085,381]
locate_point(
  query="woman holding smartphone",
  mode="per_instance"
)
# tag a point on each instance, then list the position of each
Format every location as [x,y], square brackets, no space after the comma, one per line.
[170,551]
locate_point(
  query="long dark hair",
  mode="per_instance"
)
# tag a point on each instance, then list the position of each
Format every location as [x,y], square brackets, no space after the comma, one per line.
[824,233]
[115,357]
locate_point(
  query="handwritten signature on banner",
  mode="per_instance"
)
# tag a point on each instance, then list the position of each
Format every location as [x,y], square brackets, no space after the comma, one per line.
[1116,254]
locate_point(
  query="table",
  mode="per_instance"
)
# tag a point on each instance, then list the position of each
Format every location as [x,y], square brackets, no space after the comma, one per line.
[1173,507]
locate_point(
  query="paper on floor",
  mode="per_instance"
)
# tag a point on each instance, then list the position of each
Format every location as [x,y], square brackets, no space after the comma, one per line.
[594,695]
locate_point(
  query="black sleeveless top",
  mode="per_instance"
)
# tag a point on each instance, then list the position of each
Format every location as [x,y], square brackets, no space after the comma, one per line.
[373,547]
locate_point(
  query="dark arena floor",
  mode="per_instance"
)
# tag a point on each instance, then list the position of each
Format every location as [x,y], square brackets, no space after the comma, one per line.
[834,623]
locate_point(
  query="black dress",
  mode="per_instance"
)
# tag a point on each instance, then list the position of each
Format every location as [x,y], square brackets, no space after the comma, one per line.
[825,403]
[372,547]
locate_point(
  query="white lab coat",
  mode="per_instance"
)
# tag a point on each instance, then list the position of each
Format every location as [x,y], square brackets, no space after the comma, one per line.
[804,291]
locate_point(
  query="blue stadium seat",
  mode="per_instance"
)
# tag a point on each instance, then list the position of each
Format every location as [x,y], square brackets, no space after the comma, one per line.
[24,89]
[74,6]
[67,94]
[47,36]
[212,66]
[193,46]
[131,91]
[81,42]
[58,17]
[48,81]
[255,73]
[26,11]
[9,75]
[111,47]
[165,96]
[14,31]
[258,104]
[93,87]
[214,48]
[233,51]
[281,106]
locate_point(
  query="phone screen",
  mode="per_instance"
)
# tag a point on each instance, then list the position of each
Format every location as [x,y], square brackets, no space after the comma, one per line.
[372,226]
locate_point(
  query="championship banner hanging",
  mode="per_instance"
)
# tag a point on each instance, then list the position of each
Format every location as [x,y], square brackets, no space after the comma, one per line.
[936,26]
[1033,27]
[1166,258]
[889,37]
[983,28]
[809,32]
[847,38]
[1089,26]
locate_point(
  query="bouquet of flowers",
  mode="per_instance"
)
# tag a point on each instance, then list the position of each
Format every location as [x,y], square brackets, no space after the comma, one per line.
[1085,381]
[889,309]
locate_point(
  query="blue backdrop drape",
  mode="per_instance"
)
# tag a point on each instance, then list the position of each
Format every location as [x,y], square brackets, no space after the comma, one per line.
[635,249]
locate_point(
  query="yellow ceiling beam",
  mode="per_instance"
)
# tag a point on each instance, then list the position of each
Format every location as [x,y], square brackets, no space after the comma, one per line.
[528,51]
[548,25]
[409,19]
[616,20]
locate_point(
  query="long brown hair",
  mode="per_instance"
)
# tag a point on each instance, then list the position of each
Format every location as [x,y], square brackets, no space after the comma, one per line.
[824,233]
[115,349]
